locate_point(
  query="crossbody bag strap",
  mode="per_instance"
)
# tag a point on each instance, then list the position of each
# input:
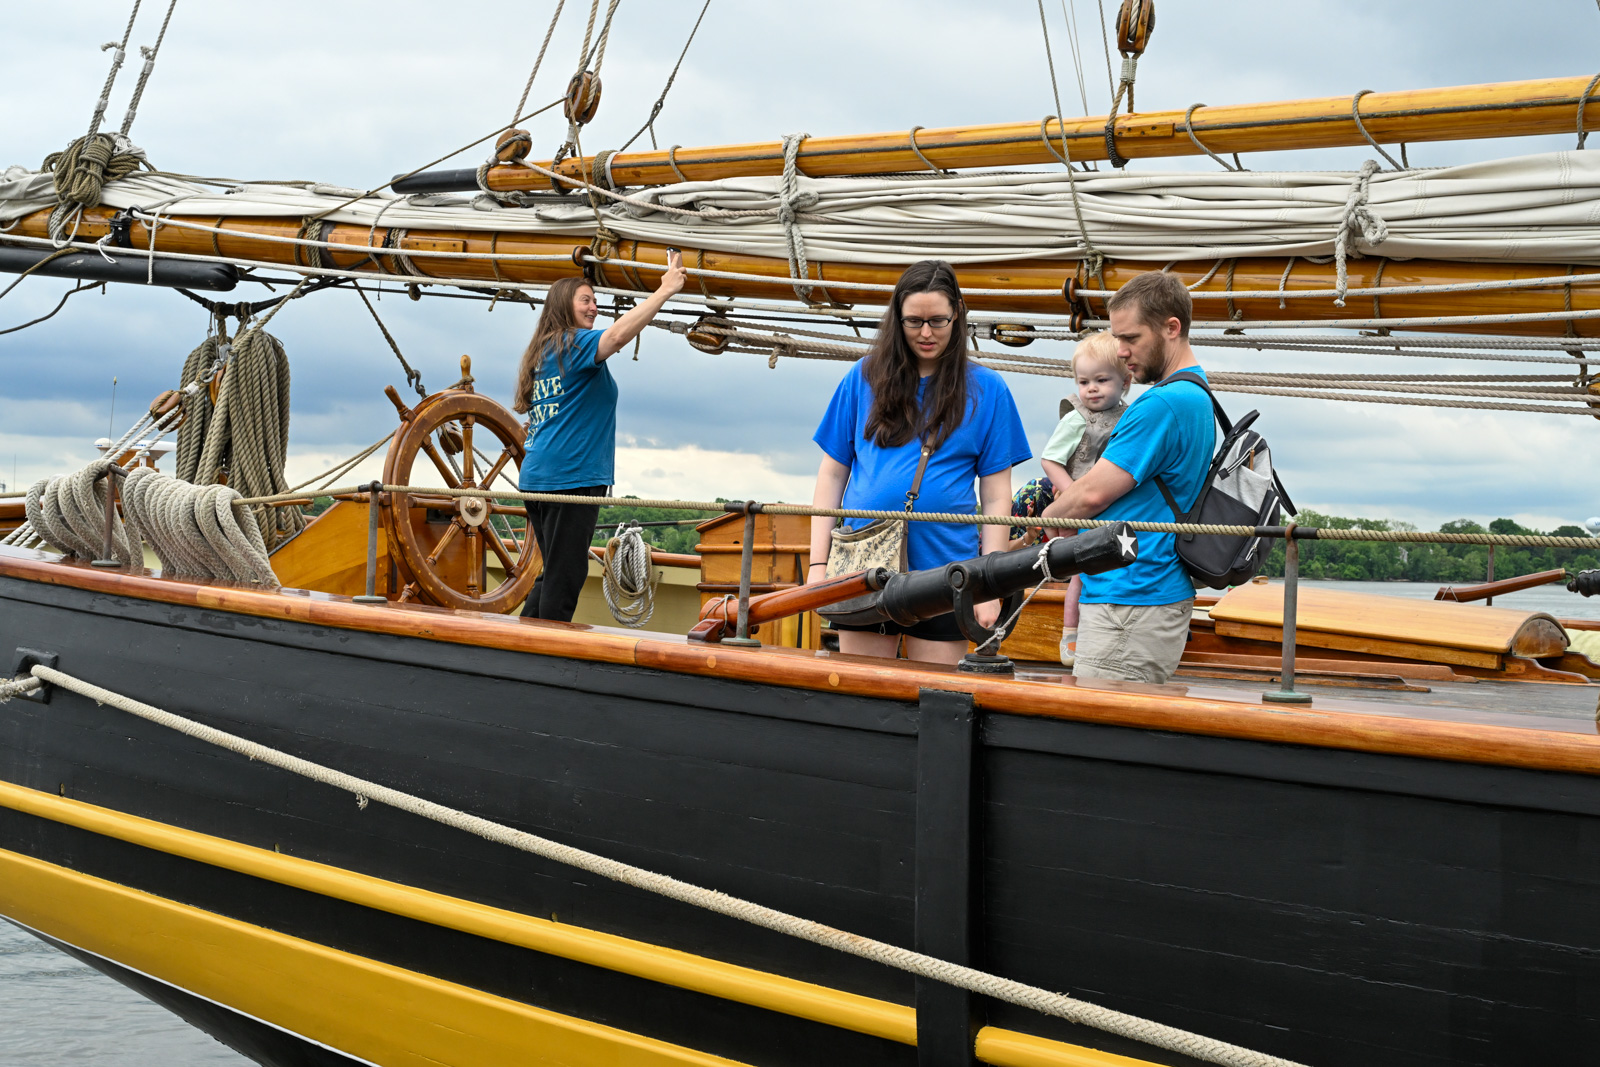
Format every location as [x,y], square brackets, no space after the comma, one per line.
[916,482]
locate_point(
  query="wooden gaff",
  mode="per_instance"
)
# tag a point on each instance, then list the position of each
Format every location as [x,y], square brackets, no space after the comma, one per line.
[1045,278]
[1500,109]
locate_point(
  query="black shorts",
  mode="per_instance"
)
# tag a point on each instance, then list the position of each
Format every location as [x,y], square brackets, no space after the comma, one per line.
[938,628]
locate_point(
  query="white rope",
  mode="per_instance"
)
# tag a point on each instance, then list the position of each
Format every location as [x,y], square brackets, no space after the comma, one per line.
[195,529]
[18,686]
[1041,1000]
[70,511]
[790,203]
[1358,223]
[627,579]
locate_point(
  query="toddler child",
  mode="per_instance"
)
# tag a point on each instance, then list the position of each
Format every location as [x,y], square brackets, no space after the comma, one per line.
[1079,438]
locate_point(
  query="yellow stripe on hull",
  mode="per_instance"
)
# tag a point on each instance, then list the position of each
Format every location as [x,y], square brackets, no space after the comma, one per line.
[138,946]
[377,1012]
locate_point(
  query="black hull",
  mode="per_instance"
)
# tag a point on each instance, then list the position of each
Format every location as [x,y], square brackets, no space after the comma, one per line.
[1334,907]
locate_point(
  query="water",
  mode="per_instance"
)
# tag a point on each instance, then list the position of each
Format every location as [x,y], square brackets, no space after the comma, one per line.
[1549,598]
[55,1010]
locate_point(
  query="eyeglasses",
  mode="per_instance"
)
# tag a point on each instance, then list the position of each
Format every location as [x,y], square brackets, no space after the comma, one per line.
[938,322]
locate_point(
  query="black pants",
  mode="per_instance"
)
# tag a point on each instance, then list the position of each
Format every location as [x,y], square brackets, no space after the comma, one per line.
[563,532]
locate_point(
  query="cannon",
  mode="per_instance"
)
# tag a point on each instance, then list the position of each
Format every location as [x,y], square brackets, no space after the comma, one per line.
[868,598]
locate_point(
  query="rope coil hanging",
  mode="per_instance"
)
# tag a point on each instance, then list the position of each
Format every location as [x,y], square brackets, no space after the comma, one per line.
[627,579]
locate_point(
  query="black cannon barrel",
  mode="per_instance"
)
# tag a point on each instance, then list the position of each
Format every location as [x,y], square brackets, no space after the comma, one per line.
[93,267]
[909,598]
[1586,583]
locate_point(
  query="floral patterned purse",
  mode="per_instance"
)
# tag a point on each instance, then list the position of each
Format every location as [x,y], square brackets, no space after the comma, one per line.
[880,543]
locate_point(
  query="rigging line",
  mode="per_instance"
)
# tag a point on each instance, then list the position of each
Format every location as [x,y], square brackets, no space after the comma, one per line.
[534,73]
[1077,50]
[605,36]
[1105,41]
[111,76]
[63,303]
[655,109]
[413,377]
[149,66]
[398,177]
[1093,260]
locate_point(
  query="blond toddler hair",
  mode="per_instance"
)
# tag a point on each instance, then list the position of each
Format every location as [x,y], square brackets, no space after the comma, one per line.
[1100,350]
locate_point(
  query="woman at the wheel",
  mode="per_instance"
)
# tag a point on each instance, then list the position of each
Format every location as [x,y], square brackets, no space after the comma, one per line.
[570,398]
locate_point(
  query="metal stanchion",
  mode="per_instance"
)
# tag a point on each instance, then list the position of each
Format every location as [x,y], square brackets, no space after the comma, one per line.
[374,491]
[1286,693]
[746,562]
[108,552]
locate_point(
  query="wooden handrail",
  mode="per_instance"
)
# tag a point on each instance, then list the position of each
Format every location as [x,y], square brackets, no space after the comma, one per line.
[1505,585]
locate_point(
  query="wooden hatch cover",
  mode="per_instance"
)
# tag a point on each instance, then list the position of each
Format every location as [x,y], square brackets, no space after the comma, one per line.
[1431,630]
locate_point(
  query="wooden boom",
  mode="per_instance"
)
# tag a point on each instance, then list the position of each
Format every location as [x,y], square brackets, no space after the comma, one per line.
[1044,284]
[1501,109]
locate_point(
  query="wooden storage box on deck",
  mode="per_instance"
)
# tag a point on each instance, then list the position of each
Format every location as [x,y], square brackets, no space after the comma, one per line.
[781,555]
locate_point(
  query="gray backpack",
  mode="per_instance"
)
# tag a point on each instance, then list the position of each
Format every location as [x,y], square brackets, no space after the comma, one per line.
[1241,489]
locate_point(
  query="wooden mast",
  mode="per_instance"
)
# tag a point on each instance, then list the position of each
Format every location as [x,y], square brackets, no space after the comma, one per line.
[1046,284]
[1502,109]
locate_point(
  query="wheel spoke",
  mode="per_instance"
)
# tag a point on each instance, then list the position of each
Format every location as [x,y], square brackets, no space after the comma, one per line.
[466,452]
[445,472]
[494,471]
[456,526]
[474,561]
[499,548]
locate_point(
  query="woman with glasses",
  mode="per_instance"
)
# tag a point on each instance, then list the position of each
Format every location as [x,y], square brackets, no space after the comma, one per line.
[917,391]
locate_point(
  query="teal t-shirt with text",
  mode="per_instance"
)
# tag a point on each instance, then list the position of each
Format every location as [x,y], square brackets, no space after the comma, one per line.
[572,425]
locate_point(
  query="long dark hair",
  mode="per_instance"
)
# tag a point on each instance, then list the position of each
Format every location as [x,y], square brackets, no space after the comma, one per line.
[891,367]
[552,333]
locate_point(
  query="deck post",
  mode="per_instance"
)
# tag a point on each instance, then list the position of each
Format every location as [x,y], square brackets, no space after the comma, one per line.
[108,556]
[741,634]
[948,897]
[1286,693]
[373,491]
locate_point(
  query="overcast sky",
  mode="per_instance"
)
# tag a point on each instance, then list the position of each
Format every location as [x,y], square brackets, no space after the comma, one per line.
[353,92]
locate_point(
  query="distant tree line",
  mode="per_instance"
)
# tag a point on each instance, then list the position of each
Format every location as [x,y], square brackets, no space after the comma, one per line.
[1378,561]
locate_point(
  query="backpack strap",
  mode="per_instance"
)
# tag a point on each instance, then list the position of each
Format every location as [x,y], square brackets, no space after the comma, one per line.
[1216,408]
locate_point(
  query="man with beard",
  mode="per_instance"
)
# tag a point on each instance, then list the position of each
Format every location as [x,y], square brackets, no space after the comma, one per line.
[1134,622]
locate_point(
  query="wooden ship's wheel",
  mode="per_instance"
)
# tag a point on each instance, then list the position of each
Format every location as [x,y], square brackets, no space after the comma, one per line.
[442,544]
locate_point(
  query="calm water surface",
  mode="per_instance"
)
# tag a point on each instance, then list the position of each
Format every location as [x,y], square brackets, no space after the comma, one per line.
[54,1010]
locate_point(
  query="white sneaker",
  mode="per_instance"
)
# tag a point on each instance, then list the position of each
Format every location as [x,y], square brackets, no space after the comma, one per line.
[1069,647]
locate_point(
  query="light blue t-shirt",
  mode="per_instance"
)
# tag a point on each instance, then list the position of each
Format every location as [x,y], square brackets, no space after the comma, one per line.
[989,440]
[1170,432]
[572,426]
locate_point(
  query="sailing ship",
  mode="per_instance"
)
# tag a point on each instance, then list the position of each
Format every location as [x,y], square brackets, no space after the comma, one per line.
[508,842]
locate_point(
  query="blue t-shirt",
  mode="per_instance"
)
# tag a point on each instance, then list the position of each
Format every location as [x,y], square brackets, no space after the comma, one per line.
[1169,431]
[989,440]
[572,426]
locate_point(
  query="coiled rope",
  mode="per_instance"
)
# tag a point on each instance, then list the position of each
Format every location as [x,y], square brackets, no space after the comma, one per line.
[196,530]
[70,511]
[1012,992]
[246,434]
[627,579]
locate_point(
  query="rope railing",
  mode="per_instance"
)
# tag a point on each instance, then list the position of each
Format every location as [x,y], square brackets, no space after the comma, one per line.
[741,507]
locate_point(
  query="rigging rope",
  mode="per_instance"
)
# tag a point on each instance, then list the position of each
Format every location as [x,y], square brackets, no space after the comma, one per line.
[149,66]
[790,203]
[522,101]
[196,530]
[627,579]
[246,433]
[661,101]
[917,963]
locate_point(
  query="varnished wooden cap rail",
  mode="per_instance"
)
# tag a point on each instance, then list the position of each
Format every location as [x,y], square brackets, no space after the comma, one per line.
[1428,739]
